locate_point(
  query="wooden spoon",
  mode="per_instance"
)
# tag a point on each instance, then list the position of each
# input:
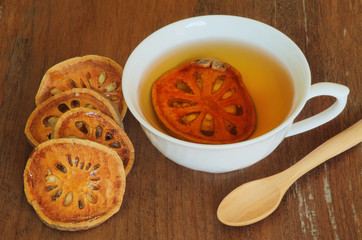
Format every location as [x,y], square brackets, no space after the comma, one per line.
[253,201]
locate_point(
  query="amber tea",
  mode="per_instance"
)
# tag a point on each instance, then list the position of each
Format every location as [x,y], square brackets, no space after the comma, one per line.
[265,77]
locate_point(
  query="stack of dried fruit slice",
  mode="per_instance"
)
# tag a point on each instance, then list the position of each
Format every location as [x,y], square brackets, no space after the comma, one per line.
[75,177]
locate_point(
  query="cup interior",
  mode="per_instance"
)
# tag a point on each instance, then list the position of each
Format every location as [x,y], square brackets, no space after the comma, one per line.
[177,37]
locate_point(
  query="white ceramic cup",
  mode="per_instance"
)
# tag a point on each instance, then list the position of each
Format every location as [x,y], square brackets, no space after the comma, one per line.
[227,157]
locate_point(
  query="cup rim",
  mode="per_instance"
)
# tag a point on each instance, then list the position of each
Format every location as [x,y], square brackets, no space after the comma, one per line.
[184,22]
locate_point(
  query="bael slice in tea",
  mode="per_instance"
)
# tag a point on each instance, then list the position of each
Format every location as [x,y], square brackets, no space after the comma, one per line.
[205,102]
[93,125]
[95,72]
[74,184]
[42,120]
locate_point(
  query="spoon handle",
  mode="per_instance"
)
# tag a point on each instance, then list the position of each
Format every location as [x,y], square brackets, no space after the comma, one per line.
[334,146]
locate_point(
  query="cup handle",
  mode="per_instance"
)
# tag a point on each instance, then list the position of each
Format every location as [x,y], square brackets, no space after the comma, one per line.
[340,92]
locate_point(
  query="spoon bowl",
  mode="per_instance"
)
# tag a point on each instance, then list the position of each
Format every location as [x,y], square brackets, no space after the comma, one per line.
[254,201]
[267,193]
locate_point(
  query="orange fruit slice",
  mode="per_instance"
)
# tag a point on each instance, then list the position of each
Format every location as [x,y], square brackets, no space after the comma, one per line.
[42,120]
[93,125]
[95,72]
[74,184]
[204,101]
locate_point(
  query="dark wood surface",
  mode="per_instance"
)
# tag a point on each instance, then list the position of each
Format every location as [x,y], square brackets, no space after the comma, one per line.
[164,200]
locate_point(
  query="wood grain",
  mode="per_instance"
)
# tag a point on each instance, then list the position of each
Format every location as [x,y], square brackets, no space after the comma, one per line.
[164,200]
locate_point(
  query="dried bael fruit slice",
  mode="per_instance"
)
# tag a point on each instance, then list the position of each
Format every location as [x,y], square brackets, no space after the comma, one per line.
[42,120]
[205,102]
[74,184]
[93,125]
[95,72]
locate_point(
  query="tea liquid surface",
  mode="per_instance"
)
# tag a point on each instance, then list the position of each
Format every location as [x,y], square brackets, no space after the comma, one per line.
[266,79]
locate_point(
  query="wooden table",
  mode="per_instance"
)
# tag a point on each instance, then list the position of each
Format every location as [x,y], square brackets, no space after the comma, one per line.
[164,200]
